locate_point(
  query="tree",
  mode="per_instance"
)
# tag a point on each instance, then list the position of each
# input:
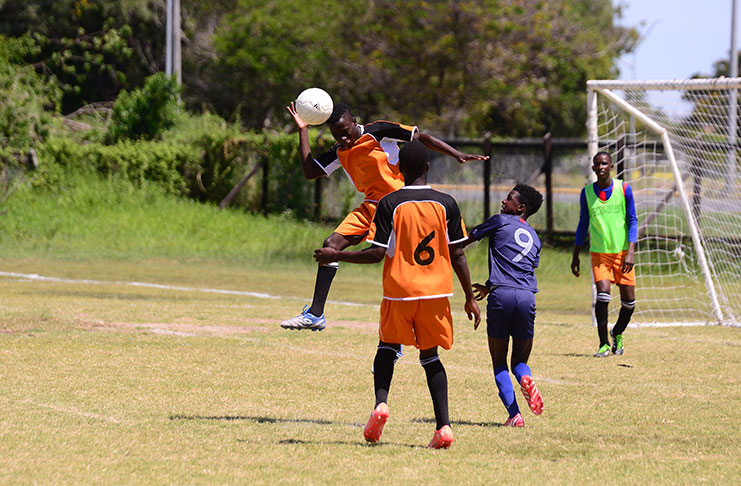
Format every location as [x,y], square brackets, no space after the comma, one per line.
[26,99]
[92,48]
[513,67]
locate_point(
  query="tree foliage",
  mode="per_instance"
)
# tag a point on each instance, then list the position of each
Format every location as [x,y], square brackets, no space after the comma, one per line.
[146,112]
[512,67]
[92,48]
[27,100]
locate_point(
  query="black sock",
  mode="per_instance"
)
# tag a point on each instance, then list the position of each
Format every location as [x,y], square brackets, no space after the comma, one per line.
[600,314]
[383,371]
[437,382]
[324,276]
[626,312]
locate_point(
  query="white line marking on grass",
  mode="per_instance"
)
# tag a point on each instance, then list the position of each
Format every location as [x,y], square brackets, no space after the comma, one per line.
[259,295]
[74,411]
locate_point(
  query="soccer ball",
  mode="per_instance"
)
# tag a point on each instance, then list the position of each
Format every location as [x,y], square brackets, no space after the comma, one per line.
[314,106]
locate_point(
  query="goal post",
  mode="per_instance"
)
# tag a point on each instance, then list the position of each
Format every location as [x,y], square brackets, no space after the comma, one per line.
[675,143]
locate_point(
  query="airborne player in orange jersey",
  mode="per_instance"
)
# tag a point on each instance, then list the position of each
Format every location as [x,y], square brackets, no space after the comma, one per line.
[369,156]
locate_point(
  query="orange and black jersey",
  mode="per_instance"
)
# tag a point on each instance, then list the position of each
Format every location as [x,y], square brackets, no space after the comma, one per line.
[416,224]
[372,163]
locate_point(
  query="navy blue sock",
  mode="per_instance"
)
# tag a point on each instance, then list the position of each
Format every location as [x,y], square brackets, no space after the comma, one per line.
[520,370]
[506,392]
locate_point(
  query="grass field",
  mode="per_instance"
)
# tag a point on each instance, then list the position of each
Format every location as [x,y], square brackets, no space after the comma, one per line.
[122,384]
[111,376]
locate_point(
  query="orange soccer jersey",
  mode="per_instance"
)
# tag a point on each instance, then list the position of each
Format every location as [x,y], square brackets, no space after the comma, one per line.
[415,225]
[371,163]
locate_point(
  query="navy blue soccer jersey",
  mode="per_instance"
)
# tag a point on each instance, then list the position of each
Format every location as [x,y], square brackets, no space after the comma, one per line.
[514,251]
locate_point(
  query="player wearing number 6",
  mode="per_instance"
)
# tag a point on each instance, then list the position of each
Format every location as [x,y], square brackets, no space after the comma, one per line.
[418,230]
[514,253]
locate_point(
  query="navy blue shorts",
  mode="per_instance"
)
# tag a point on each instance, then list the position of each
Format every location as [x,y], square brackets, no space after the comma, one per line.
[510,312]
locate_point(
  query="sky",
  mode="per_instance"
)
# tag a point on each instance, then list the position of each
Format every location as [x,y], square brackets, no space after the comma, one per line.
[680,37]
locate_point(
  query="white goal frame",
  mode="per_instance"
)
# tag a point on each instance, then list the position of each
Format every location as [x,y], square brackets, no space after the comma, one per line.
[605,89]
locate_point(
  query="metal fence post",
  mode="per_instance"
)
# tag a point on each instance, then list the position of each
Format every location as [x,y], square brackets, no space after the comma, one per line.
[547,168]
[487,175]
[317,197]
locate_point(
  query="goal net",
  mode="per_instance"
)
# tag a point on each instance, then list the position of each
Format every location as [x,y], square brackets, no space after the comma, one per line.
[676,144]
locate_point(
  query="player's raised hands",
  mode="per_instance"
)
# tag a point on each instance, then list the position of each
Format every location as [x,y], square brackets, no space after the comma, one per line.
[299,121]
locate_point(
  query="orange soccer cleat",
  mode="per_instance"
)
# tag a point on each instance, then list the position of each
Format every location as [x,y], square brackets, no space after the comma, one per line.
[516,421]
[374,428]
[442,439]
[532,395]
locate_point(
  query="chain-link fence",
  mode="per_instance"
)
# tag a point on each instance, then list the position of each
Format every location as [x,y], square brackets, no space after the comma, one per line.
[558,168]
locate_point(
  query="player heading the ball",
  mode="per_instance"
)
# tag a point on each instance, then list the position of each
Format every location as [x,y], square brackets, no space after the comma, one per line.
[369,155]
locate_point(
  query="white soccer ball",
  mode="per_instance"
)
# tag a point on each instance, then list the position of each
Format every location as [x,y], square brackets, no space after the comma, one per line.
[314,106]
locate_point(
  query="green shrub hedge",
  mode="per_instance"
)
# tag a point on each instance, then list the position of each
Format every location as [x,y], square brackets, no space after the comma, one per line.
[200,159]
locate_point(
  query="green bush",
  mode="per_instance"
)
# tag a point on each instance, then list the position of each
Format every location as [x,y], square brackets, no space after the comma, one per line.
[228,154]
[146,112]
[159,163]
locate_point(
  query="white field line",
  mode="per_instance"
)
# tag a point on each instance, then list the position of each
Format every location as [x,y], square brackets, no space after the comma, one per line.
[74,411]
[259,295]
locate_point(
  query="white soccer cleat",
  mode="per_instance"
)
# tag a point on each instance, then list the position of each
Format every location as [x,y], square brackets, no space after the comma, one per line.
[305,320]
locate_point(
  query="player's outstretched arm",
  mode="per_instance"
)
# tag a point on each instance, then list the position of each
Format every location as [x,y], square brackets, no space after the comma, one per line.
[310,168]
[434,143]
[460,265]
[467,241]
[372,254]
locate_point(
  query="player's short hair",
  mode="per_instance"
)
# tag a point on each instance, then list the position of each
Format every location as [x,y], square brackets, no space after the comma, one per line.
[413,159]
[602,152]
[530,197]
[338,111]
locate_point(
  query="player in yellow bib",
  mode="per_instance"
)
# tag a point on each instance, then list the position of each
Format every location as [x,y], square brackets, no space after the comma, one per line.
[608,214]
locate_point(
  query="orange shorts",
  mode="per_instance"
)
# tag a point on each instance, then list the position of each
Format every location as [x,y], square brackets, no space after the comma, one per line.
[423,323]
[607,266]
[359,220]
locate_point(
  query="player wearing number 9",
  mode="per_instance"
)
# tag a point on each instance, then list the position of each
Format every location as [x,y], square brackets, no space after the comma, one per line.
[514,253]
